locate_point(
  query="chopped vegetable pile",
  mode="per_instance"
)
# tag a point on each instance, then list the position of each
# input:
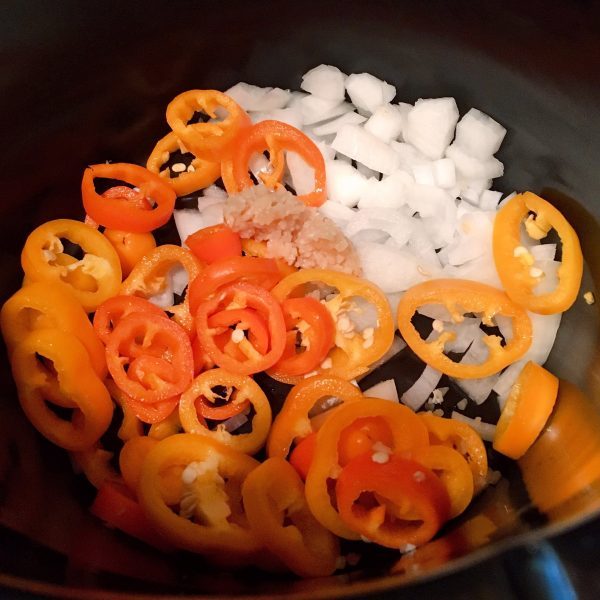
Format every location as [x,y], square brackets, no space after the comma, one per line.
[301,285]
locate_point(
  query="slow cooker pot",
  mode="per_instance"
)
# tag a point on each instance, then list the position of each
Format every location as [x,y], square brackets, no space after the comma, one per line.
[84,83]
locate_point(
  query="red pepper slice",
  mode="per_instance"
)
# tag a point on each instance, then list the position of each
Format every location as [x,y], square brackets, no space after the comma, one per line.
[120,213]
[214,243]
[317,339]
[259,271]
[151,412]
[110,312]
[244,295]
[395,504]
[114,506]
[164,355]
[247,320]
[276,137]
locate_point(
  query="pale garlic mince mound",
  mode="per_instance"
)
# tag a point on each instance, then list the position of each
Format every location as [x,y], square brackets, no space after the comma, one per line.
[299,234]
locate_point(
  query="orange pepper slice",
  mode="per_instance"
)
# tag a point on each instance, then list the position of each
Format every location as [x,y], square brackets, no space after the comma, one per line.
[202,173]
[528,406]
[280,518]
[460,296]
[515,273]
[212,141]
[276,137]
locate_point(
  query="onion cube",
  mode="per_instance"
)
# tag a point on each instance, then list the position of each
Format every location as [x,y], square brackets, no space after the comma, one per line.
[474,168]
[315,109]
[385,123]
[444,173]
[344,182]
[390,192]
[367,92]
[409,155]
[252,97]
[489,200]
[332,127]
[430,125]
[478,135]
[364,147]
[325,82]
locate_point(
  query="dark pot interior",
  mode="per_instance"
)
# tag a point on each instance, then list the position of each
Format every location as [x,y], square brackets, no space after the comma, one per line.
[84,84]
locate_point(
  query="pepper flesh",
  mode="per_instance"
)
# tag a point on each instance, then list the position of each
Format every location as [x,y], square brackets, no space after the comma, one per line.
[460,296]
[407,432]
[515,274]
[352,355]
[43,259]
[202,173]
[280,518]
[528,407]
[44,305]
[218,524]
[209,141]
[119,213]
[75,381]
[241,389]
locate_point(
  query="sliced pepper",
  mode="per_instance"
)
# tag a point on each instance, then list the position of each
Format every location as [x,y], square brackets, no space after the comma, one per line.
[44,305]
[528,407]
[109,313]
[95,462]
[131,458]
[259,271]
[251,247]
[461,296]
[293,421]
[208,516]
[280,518]
[407,432]
[149,277]
[130,247]
[313,322]
[397,504]
[454,472]
[245,296]
[150,357]
[462,438]
[277,138]
[211,244]
[199,173]
[213,141]
[240,389]
[120,213]
[131,426]
[43,259]
[76,380]
[353,352]
[516,274]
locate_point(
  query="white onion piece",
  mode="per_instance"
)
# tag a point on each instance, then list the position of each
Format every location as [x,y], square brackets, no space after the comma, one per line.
[390,269]
[179,279]
[408,155]
[386,390]
[315,110]
[488,200]
[466,333]
[367,92]
[432,201]
[478,390]
[390,192]
[545,328]
[292,115]
[333,126]
[394,300]
[394,223]
[473,168]
[418,393]
[543,252]
[549,281]
[366,172]
[213,215]
[187,221]
[258,164]
[385,123]
[430,125]
[504,324]
[506,380]
[444,173]
[234,423]
[481,269]
[360,145]
[301,173]
[205,201]
[374,236]
[422,247]
[486,431]
[165,298]
[337,212]
[434,311]
[214,192]
[252,97]
[479,135]
[325,81]
[424,174]
[344,182]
